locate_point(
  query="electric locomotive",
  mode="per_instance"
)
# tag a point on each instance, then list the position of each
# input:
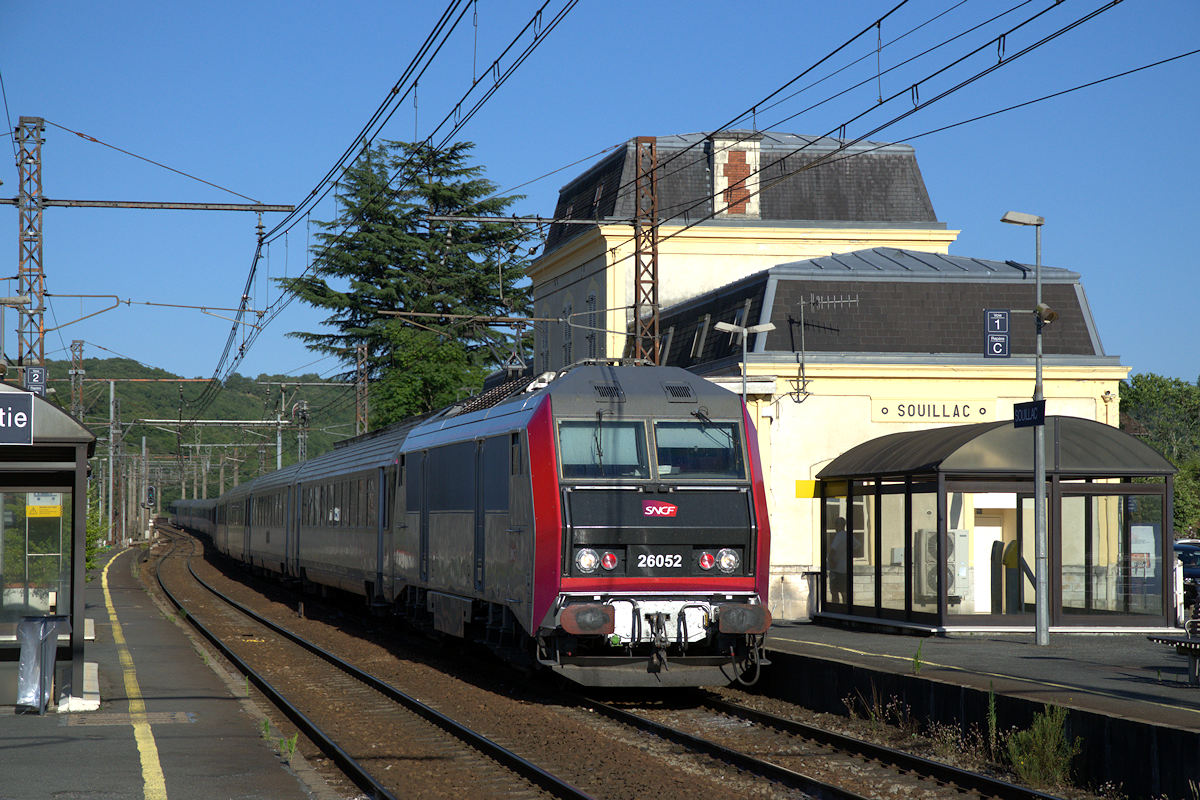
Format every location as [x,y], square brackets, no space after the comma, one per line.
[608,522]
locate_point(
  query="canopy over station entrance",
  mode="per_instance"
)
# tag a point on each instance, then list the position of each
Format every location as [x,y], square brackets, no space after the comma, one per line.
[934,528]
[43,513]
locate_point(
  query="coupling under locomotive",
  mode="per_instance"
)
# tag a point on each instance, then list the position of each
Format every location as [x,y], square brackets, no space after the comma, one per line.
[608,521]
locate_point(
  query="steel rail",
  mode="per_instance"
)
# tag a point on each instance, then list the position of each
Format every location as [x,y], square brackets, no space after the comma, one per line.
[766,769]
[521,766]
[348,765]
[944,773]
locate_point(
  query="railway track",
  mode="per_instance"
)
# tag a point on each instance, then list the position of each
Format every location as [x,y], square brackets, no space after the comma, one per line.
[426,753]
[685,745]
[816,761]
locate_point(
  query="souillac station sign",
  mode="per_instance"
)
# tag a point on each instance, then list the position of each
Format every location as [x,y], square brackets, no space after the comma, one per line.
[954,412]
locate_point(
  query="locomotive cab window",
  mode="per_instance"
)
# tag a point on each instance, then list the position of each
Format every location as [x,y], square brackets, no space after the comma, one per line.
[602,449]
[701,449]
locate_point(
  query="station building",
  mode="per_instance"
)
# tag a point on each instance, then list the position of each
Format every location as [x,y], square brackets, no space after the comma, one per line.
[878,331]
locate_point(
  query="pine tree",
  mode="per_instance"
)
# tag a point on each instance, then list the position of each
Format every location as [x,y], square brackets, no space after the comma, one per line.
[382,253]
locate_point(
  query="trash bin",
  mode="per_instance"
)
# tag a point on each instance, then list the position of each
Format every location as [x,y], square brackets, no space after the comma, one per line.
[35,673]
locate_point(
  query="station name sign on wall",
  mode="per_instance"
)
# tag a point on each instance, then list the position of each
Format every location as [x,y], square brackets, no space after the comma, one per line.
[16,418]
[955,412]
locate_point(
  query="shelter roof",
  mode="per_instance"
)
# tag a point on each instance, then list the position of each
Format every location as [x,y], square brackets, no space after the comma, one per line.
[1074,446]
[52,425]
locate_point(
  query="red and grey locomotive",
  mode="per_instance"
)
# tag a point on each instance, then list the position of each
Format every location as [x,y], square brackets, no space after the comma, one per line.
[609,521]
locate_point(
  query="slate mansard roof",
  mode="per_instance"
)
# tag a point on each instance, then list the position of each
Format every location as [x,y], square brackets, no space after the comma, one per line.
[867,182]
[882,302]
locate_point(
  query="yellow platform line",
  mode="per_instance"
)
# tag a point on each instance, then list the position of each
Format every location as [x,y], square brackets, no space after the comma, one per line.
[1019,678]
[152,775]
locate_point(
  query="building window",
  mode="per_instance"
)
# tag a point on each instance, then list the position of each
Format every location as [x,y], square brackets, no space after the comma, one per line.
[664,352]
[699,336]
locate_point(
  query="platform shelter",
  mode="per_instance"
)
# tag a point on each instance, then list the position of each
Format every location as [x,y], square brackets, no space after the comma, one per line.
[934,528]
[43,512]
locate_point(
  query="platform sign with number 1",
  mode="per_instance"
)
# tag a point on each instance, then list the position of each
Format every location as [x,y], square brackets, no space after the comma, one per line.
[996,333]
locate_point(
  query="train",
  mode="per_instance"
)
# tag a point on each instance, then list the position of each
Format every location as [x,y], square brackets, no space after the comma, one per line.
[607,522]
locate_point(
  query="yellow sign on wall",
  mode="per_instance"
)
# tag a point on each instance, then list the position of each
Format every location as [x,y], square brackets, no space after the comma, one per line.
[806,489]
[43,511]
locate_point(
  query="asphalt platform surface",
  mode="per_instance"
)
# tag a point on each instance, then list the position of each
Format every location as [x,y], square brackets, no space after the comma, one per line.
[168,724]
[1119,675]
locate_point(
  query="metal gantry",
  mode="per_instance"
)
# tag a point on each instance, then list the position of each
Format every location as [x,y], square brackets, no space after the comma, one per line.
[645,249]
[31,279]
[77,373]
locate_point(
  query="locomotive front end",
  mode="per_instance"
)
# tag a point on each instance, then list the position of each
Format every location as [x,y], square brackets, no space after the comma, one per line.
[663,537]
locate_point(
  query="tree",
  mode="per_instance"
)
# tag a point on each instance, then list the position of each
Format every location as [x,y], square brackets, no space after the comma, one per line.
[382,253]
[1165,413]
[94,529]
[1168,412]
[1187,500]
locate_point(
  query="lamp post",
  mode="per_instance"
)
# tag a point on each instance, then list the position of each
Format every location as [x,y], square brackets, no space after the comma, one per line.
[729,327]
[1041,315]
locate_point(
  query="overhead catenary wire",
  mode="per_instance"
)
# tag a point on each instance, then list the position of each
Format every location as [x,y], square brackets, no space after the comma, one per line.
[839,154]
[541,32]
[383,113]
[93,139]
[845,144]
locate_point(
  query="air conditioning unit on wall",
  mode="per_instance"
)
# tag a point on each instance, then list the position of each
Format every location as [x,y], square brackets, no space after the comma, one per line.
[958,565]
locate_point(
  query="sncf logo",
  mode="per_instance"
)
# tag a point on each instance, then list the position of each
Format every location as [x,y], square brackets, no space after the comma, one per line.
[655,508]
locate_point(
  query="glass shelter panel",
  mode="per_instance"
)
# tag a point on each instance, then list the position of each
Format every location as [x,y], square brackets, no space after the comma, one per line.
[836,551]
[35,554]
[891,536]
[924,561]
[862,517]
[983,565]
[1111,555]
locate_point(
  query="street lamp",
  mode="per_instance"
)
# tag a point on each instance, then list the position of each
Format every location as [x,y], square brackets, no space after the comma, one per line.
[1042,315]
[729,327]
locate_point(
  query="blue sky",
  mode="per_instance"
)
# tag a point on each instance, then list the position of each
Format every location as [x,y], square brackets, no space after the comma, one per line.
[263,97]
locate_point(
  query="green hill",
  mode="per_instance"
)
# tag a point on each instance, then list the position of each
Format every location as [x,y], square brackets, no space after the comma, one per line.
[191,449]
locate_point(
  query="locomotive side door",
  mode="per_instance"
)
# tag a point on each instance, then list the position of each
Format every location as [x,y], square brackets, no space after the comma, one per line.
[381,528]
[423,494]
[246,523]
[289,530]
[480,516]
[291,552]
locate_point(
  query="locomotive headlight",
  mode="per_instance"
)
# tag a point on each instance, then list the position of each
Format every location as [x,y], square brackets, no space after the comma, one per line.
[586,560]
[728,560]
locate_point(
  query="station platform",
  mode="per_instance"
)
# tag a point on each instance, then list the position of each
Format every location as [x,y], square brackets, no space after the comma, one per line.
[168,725]
[1128,698]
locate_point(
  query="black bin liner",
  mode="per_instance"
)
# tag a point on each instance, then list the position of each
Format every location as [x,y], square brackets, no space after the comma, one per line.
[38,637]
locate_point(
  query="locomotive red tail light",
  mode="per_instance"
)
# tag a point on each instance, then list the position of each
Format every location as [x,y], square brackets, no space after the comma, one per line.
[609,561]
[707,560]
